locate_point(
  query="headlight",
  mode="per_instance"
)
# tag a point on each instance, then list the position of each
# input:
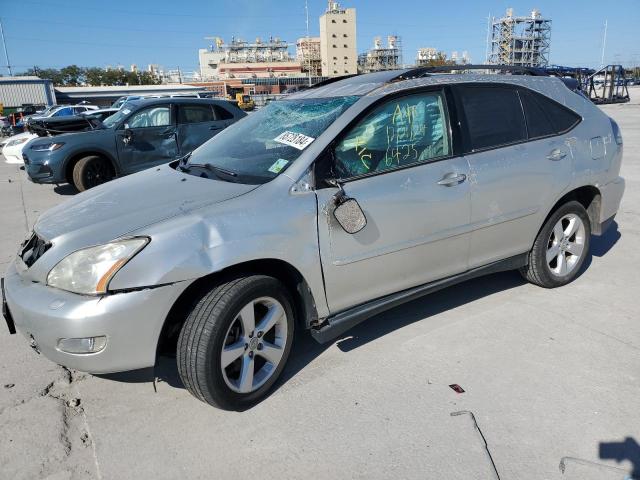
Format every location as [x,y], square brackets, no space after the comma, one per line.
[43,147]
[17,141]
[90,270]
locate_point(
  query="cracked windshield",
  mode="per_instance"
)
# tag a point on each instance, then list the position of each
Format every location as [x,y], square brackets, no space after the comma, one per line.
[269,140]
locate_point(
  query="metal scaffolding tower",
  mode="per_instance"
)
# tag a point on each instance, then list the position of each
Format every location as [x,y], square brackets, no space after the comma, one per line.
[520,41]
[382,58]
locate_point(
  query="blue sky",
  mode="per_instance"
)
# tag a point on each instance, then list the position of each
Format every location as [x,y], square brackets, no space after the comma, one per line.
[91,33]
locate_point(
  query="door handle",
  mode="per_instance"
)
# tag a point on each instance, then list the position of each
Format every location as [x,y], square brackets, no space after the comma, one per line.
[213,127]
[168,133]
[556,154]
[451,179]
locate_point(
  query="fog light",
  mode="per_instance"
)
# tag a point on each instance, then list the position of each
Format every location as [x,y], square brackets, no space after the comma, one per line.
[82,345]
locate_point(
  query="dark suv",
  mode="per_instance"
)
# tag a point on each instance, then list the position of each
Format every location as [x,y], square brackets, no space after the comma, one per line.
[142,134]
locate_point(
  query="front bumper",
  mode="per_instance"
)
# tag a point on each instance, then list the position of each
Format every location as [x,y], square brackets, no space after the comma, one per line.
[131,321]
[39,172]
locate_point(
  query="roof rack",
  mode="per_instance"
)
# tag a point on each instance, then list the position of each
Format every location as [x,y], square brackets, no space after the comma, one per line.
[514,70]
[327,81]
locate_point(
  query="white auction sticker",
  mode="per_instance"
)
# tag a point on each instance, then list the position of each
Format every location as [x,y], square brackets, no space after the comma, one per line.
[295,140]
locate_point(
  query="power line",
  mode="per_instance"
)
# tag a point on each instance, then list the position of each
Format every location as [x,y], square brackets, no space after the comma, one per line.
[4,45]
[93,26]
[147,13]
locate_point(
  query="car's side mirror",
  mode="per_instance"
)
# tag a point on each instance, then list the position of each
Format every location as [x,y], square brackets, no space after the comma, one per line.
[128,135]
[349,214]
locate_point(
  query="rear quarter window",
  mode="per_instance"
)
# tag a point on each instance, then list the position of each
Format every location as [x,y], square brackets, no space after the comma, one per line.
[546,117]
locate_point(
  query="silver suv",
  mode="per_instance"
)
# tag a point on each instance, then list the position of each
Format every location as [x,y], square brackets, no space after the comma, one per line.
[317,212]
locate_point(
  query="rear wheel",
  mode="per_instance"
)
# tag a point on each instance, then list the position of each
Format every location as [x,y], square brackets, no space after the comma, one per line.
[235,342]
[560,248]
[91,171]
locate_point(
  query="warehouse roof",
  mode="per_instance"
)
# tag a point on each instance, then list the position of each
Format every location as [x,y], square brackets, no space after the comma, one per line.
[25,79]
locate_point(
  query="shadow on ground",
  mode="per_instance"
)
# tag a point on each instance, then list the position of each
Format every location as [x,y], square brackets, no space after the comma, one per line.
[305,349]
[628,449]
[65,189]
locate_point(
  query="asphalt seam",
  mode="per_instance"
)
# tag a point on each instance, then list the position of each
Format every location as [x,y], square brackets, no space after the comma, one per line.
[24,207]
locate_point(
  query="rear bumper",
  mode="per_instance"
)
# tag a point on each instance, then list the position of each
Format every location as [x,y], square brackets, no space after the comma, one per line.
[131,321]
[611,196]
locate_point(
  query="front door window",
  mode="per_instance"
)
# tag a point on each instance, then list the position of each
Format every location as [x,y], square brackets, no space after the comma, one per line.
[404,131]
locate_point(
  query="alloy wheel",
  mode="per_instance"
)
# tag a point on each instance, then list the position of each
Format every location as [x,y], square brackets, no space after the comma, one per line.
[566,245]
[254,345]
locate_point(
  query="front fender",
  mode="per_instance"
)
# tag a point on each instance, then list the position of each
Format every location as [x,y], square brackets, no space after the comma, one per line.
[256,226]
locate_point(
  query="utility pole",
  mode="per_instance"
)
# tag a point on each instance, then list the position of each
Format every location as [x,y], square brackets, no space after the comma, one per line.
[486,50]
[604,43]
[4,44]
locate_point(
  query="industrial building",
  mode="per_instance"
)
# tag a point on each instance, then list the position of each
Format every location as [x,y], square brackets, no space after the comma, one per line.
[521,41]
[338,41]
[427,55]
[381,57]
[308,55]
[241,59]
[18,91]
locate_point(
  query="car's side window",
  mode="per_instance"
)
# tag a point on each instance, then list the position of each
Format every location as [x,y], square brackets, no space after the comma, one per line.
[222,113]
[63,112]
[494,116]
[546,117]
[195,114]
[159,116]
[400,132]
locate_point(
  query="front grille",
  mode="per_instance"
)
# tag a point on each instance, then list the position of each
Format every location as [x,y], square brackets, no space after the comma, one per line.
[25,159]
[33,248]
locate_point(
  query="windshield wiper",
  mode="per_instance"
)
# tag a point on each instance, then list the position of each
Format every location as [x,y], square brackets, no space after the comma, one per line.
[185,167]
[213,168]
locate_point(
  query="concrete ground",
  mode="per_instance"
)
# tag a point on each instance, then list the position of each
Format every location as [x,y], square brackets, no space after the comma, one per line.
[552,378]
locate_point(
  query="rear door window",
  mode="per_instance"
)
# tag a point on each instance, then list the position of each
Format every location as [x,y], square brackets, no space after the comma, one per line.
[538,121]
[195,114]
[494,116]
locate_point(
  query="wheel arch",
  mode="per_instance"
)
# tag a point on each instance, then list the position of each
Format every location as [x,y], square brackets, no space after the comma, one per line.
[75,157]
[589,197]
[304,302]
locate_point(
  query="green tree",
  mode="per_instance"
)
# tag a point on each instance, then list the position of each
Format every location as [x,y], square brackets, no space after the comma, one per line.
[94,76]
[72,75]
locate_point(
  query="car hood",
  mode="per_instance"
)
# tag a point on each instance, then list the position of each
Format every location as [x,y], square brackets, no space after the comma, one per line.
[114,209]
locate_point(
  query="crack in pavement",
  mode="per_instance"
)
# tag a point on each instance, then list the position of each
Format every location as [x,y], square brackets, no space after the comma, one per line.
[486,445]
[24,207]
[75,432]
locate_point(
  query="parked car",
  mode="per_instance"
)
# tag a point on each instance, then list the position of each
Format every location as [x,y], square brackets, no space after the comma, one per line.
[13,147]
[142,134]
[61,111]
[317,212]
[127,98]
[89,120]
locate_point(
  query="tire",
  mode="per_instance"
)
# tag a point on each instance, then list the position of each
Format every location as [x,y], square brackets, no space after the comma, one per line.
[221,320]
[91,171]
[560,248]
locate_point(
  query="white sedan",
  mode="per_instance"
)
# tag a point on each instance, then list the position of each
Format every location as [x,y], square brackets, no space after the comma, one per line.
[12,150]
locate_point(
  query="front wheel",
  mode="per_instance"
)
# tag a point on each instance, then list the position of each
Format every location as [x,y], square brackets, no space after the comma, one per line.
[235,341]
[560,248]
[91,171]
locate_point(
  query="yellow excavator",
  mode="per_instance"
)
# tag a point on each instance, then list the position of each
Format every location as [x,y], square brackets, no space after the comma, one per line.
[245,102]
